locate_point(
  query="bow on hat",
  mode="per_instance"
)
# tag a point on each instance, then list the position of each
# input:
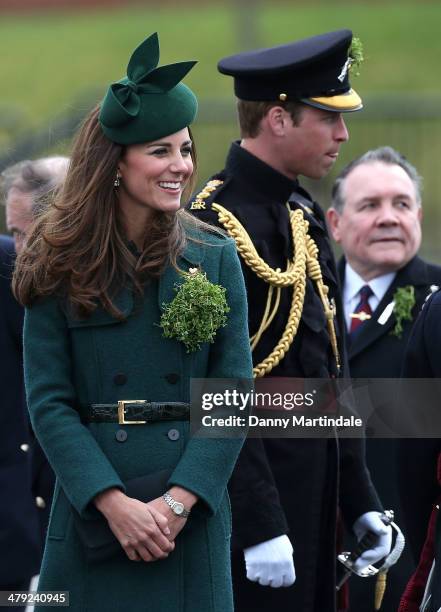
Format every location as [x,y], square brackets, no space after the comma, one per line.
[123,99]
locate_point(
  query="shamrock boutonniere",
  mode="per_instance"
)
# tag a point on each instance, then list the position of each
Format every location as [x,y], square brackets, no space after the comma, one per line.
[197,311]
[356,55]
[404,301]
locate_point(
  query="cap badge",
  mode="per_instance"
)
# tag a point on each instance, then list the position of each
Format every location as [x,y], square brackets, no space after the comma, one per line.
[344,70]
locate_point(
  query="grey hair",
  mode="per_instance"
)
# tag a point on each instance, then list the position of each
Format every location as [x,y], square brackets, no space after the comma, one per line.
[386,155]
[40,178]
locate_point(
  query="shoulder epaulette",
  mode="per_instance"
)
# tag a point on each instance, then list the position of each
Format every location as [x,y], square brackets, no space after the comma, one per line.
[199,201]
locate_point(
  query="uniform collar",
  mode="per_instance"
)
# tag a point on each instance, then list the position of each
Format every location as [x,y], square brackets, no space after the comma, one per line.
[270,183]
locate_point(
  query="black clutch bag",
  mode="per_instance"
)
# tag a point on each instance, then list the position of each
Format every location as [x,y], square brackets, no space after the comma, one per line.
[95,534]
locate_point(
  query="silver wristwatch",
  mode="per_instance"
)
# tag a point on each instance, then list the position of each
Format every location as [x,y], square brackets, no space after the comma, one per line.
[177,507]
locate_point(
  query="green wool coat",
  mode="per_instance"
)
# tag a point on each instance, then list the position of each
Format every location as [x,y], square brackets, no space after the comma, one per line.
[71,363]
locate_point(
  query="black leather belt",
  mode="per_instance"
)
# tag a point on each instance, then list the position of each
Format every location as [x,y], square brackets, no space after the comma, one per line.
[136,412]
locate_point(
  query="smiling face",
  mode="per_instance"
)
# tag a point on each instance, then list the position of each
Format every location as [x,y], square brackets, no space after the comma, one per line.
[311,146]
[379,227]
[154,175]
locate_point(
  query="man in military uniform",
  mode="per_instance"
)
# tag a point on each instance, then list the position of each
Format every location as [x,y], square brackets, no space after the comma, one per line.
[283,491]
[419,463]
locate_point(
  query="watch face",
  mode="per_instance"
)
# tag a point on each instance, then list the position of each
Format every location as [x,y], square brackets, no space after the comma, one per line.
[178,508]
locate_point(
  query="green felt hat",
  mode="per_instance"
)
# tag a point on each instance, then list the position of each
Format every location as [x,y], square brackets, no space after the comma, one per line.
[149,102]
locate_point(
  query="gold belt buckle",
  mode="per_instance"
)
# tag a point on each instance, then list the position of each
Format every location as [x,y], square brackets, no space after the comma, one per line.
[122,411]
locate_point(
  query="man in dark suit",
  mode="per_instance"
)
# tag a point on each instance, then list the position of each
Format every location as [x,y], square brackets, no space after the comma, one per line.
[376,217]
[26,188]
[285,492]
[19,531]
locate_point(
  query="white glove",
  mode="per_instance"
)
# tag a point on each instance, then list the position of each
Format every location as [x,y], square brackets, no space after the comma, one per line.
[371,521]
[271,563]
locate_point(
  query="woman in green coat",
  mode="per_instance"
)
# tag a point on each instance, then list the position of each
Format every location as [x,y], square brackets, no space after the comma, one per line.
[99,269]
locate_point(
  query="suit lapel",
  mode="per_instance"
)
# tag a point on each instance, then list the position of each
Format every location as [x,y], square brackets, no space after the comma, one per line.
[414,273]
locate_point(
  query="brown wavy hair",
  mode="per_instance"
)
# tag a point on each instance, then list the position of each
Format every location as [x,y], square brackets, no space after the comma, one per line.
[78,249]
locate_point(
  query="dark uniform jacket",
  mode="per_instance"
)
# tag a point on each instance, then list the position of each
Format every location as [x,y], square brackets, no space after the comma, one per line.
[282,485]
[377,353]
[42,475]
[419,462]
[19,533]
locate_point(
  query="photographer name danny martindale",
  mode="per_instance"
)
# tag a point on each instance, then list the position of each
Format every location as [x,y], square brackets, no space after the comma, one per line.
[291,421]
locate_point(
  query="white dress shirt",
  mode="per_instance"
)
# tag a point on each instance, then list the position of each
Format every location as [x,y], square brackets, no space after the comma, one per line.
[352,286]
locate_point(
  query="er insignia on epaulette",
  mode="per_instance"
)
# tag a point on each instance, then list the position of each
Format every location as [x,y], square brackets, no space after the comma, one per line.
[199,201]
[197,205]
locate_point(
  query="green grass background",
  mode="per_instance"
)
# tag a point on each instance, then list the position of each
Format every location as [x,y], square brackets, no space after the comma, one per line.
[49,60]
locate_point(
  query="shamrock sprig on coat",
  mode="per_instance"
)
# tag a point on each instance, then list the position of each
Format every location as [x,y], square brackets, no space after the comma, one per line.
[404,301]
[197,311]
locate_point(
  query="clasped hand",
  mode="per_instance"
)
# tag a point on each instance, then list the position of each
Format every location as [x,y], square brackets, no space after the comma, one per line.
[146,531]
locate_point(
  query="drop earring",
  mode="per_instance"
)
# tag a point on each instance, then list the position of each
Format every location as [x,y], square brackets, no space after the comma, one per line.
[116,182]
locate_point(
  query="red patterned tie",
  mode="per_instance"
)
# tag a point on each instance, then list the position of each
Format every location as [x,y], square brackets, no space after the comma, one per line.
[363,312]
